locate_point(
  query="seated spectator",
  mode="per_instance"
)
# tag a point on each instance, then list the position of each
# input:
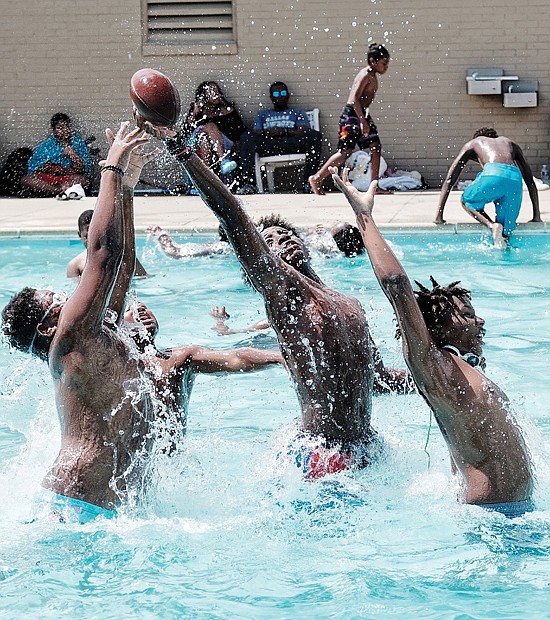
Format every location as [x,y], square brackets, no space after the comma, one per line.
[76,265]
[279,131]
[59,162]
[215,127]
[13,170]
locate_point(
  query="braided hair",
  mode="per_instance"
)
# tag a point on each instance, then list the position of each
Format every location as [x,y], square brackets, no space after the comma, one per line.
[438,304]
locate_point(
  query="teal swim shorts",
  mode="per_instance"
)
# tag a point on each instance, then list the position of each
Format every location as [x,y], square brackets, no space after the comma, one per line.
[501,184]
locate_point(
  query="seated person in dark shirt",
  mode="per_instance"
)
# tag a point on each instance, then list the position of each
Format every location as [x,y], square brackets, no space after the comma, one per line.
[279,131]
[59,162]
[215,127]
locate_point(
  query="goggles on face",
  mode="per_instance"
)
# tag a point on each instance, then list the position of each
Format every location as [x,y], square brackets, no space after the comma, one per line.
[279,93]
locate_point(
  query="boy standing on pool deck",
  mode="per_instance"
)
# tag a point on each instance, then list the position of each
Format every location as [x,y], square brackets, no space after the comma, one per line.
[503,166]
[442,345]
[355,127]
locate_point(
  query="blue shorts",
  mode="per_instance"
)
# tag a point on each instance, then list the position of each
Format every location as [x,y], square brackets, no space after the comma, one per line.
[511,509]
[501,184]
[63,509]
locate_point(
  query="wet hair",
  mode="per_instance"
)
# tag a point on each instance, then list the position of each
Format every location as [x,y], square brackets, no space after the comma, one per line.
[377,52]
[487,132]
[20,318]
[438,304]
[277,86]
[349,240]
[84,219]
[57,118]
[267,221]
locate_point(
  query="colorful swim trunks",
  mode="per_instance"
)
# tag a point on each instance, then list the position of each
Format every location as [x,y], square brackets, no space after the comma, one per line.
[501,184]
[316,460]
[350,133]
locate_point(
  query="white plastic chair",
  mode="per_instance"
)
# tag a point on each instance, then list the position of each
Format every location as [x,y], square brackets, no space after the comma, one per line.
[282,161]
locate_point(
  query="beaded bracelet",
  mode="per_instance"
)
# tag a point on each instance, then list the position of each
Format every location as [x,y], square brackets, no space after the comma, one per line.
[116,169]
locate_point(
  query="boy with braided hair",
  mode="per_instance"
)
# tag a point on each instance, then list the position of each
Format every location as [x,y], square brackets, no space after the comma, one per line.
[442,345]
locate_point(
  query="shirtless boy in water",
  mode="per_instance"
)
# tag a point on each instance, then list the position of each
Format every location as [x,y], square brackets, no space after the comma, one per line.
[323,334]
[105,436]
[442,345]
[355,127]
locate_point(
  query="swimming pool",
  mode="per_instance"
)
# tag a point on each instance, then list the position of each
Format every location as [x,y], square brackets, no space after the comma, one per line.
[230,531]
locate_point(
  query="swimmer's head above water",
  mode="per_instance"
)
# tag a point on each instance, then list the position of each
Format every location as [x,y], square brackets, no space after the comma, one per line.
[139,316]
[450,317]
[29,320]
[284,241]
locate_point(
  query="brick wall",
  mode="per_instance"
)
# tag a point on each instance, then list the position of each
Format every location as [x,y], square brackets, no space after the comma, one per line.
[77,57]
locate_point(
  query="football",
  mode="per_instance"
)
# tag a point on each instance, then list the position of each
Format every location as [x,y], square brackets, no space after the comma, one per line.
[155,97]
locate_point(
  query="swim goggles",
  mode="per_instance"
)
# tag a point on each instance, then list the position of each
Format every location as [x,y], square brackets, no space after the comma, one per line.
[279,93]
[58,299]
[470,358]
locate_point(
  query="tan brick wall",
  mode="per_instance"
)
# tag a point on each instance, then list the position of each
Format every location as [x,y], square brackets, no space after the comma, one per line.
[78,56]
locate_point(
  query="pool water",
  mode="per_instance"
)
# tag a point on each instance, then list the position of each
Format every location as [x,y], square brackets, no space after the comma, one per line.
[230,530]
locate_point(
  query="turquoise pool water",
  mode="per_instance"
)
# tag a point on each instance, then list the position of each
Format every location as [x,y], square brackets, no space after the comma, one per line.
[230,531]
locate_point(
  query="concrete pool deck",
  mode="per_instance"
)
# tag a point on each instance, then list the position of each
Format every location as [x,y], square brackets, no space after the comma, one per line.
[398,211]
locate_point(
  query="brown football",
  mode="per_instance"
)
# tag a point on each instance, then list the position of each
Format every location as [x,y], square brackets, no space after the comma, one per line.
[155,97]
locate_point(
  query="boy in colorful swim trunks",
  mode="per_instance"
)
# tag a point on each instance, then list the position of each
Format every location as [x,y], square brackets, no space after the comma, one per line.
[323,334]
[499,182]
[442,346]
[356,126]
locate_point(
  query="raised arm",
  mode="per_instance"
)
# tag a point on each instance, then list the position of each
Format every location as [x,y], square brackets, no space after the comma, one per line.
[220,314]
[128,266]
[252,251]
[452,177]
[84,311]
[527,175]
[393,280]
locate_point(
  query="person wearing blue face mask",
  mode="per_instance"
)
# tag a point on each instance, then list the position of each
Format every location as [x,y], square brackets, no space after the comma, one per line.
[279,131]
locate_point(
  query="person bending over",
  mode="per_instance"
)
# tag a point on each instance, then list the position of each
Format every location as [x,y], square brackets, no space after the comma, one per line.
[500,182]
[442,345]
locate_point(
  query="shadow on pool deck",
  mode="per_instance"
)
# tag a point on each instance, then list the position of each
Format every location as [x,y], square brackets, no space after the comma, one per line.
[401,210]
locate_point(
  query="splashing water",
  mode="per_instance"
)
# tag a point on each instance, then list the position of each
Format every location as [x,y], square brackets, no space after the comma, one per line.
[228,527]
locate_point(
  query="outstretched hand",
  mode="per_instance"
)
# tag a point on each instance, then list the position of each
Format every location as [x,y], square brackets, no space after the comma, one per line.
[135,163]
[122,145]
[221,315]
[162,133]
[361,202]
